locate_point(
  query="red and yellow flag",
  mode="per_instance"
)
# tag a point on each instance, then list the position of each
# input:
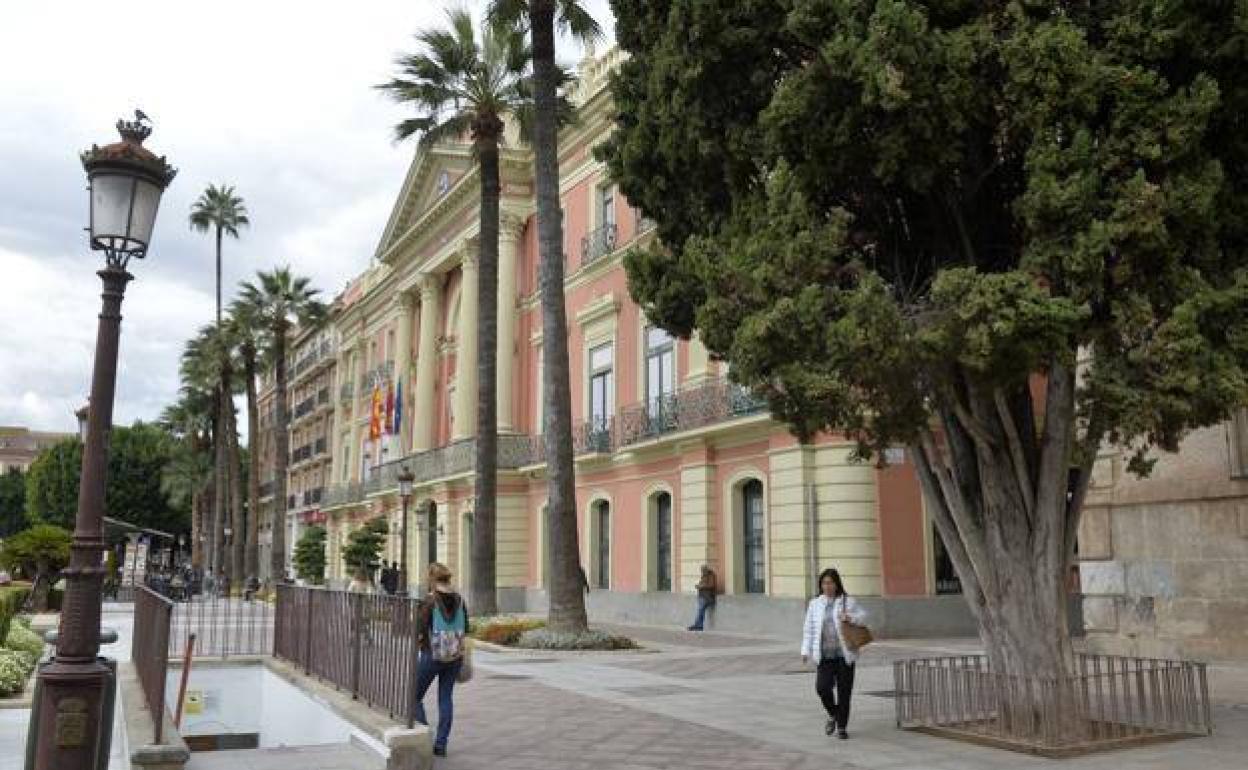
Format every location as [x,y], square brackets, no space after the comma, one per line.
[375,417]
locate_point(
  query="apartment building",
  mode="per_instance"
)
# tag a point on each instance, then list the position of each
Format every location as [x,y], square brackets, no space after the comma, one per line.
[311,380]
[676,466]
[20,446]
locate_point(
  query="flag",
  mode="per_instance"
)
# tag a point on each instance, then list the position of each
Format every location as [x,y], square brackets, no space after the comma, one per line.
[398,407]
[374,421]
[389,408]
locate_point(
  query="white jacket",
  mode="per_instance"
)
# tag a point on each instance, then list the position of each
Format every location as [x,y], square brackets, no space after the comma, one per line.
[812,629]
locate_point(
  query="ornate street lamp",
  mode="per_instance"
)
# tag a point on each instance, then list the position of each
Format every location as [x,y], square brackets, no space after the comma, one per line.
[69,727]
[405,494]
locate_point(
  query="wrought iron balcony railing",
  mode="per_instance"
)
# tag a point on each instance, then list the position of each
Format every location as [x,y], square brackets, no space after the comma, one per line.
[266,489]
[589,438]
[304,407]
[689,409]
[598,243]
[379,374]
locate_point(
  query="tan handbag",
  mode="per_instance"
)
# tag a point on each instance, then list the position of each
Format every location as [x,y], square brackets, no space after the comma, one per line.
[856,637]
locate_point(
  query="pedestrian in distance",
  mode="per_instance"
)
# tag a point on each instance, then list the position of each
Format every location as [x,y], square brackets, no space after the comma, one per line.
[706,588]
[390,578]
[441,631]
[824,644]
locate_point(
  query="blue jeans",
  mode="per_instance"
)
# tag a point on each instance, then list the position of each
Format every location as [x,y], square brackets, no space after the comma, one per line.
[445,673]
[700,619]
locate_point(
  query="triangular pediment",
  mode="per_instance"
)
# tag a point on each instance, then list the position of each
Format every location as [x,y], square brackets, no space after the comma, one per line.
[433,173]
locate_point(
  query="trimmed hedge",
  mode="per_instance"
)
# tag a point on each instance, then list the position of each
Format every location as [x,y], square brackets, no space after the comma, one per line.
[14,669]
[12,599]
[22,639]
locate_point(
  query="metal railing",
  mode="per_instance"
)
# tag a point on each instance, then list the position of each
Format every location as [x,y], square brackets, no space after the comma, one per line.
[226,620]
[313,496]
[304,407]
[379,374]
[598,243]
[689,409]
[360,643]
[1105,700]
[266,489]
[150,651]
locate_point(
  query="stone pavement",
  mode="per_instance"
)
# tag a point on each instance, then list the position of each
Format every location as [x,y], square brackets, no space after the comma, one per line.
[716,700]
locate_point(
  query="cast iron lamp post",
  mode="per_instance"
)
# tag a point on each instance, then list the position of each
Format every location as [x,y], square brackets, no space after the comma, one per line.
[405,494]
[125,181]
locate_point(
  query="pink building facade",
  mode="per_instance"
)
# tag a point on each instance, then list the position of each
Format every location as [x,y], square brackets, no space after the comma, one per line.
[676,467]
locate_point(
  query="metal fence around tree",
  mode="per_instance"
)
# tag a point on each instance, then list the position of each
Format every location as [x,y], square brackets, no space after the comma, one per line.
[362,644]
[1106,701]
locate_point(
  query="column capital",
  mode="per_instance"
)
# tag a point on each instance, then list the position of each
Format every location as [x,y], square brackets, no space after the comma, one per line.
[429,284]
[405,301]
[470,253]
[510,225]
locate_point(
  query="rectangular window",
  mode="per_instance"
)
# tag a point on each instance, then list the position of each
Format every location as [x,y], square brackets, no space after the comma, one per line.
[660,369]
[601,385]
[606,206]
[663,537]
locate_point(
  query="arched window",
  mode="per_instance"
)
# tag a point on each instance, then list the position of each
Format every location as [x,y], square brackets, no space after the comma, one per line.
[753,522]
[663,541]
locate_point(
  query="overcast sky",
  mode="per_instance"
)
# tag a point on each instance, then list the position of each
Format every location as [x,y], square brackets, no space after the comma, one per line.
[272,97]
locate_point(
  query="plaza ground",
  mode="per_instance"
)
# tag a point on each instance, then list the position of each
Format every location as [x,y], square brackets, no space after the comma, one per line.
[697,701]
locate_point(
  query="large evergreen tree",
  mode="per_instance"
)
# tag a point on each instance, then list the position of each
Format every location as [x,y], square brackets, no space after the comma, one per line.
[1000,234]
[12,501]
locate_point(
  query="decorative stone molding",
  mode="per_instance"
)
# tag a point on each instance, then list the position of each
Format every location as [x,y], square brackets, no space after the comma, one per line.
[598,309]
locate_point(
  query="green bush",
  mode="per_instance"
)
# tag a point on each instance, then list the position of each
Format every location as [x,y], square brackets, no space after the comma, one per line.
[503,630]
[12,598]
[14,670]
[542,639]
[22,639]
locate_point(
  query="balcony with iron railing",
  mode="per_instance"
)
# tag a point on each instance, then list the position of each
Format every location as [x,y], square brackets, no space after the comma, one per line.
[304,407]
[690,409]
[598,243]
[313,496]
[266,489]
[311,359]
[379,374]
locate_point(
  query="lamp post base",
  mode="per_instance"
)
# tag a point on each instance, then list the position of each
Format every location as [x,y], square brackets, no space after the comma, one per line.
[72,719]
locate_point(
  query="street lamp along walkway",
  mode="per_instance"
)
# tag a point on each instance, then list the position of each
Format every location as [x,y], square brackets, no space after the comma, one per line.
[71,721]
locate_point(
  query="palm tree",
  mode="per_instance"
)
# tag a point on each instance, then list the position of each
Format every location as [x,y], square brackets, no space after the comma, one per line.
[200,373]
[567,603]
[458,86]
[220,210]
[189,422]
[248,327]
[281,300]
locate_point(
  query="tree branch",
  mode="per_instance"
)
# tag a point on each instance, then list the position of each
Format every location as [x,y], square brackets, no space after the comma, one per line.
[1051,481]
[974,427]
[968,529]
[1022,473]
[939,509]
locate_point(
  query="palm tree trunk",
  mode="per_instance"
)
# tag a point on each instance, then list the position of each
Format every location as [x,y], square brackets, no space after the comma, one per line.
[281,443]
[252,557]
[237,495]
[218,276]
[483,590]
[197,501]
[567,603]
[220,485]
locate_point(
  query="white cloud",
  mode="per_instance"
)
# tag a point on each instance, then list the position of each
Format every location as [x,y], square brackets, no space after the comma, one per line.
[275,98]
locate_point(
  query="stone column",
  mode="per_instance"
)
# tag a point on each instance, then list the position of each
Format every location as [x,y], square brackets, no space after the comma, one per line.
[343,415]
[403,367]
[510,229]
[466,349]
[422,420]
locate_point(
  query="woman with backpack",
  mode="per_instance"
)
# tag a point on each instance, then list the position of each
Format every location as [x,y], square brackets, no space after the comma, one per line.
[441,627]
[824,643]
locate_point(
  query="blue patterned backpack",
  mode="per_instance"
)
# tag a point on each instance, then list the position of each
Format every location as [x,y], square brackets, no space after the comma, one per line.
[446,639]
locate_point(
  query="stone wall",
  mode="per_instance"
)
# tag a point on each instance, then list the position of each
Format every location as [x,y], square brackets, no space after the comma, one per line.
[1164,560]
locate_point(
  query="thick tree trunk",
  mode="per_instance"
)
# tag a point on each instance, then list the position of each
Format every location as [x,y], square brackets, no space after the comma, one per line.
[281,444]
[252,557]
[482,588]
[567,602]
[237,495]
[998,490]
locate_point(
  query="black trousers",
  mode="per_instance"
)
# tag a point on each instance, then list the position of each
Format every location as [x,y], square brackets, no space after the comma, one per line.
[834,681]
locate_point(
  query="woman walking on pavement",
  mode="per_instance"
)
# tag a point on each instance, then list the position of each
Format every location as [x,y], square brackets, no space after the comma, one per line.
[823,643]
[441,626]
